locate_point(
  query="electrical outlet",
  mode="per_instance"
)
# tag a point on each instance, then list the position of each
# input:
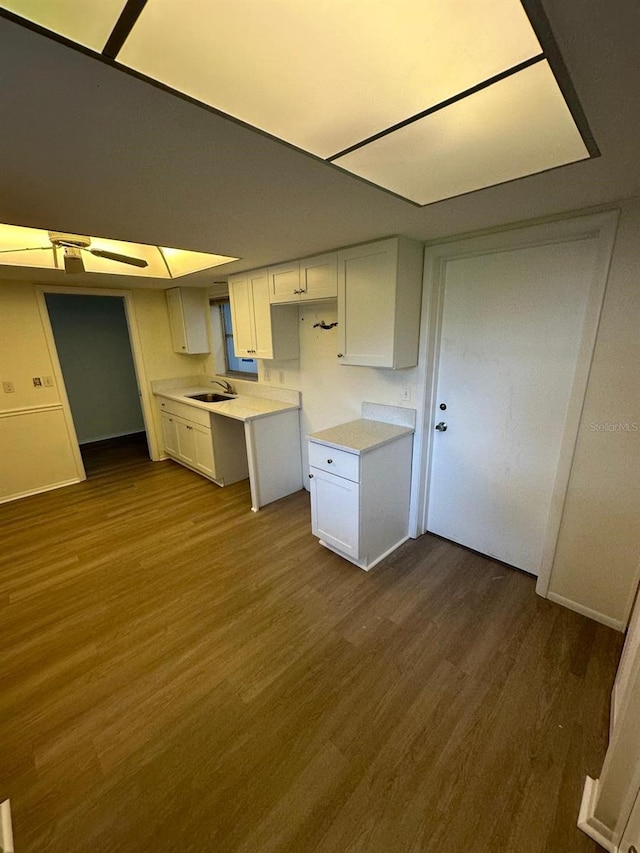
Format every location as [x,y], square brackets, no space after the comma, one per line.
[281,377]
[8,387]
[266,374]
[406,393]
[6,832]
[48,381]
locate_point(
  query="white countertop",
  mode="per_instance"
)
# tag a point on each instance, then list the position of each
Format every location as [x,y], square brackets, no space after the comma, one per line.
[360,436]
[243,407]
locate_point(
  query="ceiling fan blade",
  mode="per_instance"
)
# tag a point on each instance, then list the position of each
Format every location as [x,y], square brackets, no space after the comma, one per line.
[122,259]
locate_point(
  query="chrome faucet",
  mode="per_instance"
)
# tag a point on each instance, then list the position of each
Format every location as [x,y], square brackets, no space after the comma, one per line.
[223,384]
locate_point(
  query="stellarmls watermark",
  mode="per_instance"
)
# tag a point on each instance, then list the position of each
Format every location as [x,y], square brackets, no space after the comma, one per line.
[614,427]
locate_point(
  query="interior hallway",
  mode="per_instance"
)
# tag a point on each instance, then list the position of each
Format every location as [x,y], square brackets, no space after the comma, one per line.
[180,673]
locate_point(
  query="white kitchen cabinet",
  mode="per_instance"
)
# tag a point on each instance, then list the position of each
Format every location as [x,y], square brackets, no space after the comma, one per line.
[258,330]
[360,480]
[307,280]
[379,297]
[189,443]
[211,445]
[187,308]
[284,282]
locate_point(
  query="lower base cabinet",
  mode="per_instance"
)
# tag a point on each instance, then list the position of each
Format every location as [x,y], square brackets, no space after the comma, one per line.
[189,443]
[215,449]
[360,500]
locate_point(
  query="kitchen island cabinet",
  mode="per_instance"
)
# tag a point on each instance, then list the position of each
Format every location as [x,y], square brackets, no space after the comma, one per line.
[360,479]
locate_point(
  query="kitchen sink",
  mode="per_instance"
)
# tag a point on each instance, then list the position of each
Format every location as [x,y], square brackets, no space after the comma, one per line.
[210,397]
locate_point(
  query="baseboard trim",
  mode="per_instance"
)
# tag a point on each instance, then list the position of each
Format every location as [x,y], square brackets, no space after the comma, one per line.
[589,824]
[616,624]
[30,492]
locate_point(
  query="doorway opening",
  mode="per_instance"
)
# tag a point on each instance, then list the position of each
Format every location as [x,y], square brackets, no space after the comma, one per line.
[93,344]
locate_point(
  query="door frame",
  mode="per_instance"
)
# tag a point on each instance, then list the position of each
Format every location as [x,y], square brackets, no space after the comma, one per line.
[600,226]
[146,402]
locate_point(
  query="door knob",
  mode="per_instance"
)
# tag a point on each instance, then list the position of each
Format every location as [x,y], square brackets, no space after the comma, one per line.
[441,427]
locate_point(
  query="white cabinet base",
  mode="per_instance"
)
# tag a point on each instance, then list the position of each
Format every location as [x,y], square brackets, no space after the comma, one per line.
[364,565]
[360,496]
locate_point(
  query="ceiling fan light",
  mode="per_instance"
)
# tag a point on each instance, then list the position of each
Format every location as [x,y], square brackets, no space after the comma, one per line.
[73,260]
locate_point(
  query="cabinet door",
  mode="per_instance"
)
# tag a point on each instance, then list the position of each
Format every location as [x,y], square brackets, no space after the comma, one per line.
[204,451]
[170,433]
[319,277]
[284,282]
[188,319]
[186,442]
[263,340]
[176,320]
[242,315]
[366,304]
[335,511]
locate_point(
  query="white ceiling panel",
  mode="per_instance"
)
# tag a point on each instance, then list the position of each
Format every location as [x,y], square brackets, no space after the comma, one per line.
[86,22]
[327,74]
[516,127]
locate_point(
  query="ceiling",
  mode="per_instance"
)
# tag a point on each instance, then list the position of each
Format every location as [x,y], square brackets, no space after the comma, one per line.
[88,148]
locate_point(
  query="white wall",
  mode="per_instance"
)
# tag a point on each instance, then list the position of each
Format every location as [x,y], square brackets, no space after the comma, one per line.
[597,564]
[332,392]
[37,447]
[32,422]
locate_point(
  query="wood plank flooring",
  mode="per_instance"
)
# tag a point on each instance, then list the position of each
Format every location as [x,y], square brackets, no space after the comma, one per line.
[179,673]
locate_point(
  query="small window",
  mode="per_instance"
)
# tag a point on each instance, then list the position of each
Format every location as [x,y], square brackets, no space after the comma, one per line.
[221,319]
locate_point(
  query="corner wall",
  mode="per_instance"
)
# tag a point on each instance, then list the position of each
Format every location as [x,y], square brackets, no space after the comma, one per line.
[597,562]
[32,420]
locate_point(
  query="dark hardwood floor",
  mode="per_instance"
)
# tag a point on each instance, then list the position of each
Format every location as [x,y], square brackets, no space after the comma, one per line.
[179,673]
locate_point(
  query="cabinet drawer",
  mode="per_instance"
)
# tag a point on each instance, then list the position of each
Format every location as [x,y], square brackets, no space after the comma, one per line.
[184,410]
[334,461]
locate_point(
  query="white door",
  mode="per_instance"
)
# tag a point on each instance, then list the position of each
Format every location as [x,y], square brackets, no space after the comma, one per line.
[514,321]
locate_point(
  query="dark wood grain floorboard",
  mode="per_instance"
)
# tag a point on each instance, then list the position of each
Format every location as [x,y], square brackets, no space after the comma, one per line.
[179,673]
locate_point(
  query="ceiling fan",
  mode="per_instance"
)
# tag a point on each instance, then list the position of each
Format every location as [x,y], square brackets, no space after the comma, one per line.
[72,247]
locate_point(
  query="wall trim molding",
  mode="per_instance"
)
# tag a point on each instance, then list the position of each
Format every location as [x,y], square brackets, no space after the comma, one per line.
[616,624]
[40,489]
[590,824]
[31,410]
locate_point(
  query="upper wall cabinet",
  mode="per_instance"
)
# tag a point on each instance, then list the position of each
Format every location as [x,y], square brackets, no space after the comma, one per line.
[258,330]
[307,280]
[379,296]
[188,318]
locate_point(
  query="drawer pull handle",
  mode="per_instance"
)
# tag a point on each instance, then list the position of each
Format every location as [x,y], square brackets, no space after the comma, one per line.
[329,461]
[340,355]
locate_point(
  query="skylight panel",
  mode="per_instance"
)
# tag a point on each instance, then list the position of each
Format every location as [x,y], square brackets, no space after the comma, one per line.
[325,75]
[86,22]
[515,127]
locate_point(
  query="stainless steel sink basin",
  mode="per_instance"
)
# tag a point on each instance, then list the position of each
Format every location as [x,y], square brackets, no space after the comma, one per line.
[210,397]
